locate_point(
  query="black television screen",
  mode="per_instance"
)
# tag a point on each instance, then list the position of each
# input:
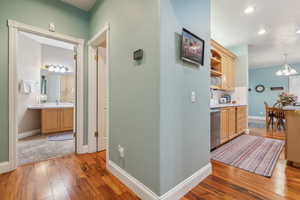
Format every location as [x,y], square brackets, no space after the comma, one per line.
[192,48]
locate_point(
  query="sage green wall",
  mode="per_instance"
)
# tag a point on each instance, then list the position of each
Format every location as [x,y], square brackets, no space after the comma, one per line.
[134,88]
[40,13]
[184,126]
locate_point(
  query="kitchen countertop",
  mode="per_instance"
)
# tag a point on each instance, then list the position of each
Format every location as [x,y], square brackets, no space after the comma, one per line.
[291,108]
[226,105]
[50,105]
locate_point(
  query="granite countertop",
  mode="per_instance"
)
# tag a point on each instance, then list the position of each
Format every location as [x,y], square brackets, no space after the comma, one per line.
[226,105]
[50,105]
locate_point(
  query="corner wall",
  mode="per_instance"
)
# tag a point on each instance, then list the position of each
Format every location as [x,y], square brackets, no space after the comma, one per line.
[184,126]
[133,87]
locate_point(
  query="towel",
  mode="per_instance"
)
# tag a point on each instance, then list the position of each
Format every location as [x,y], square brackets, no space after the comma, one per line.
[28,86]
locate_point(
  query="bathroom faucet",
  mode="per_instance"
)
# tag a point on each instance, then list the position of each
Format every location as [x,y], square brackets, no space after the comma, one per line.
[57,102]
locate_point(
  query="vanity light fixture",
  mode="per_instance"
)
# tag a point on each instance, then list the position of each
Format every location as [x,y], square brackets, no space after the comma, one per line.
[249,10]
[57,68]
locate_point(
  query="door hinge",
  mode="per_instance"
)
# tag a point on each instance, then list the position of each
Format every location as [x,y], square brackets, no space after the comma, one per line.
[96,134]
[96,57]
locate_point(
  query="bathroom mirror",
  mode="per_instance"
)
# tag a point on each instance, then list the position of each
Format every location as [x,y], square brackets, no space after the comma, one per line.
[57,87]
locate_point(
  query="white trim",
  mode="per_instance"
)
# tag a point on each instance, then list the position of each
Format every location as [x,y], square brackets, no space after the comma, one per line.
[85,149]
[4,167]
[144,192]
[257,118]
[188,184]
[92,50]
[103,144]
[135,185]
[29,133]
[14,28]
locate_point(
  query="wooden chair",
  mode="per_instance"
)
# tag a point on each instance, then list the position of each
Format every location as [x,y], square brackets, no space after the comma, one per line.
[269,116]
[279,115]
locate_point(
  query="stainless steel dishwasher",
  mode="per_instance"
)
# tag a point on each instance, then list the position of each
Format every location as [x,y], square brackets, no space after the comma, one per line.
[215,128]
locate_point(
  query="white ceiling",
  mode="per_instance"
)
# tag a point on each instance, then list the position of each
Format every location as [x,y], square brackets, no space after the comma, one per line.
[281,19]
[82,4]
[48,41]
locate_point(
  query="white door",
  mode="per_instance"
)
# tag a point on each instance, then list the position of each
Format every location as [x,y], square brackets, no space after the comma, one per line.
[102,98]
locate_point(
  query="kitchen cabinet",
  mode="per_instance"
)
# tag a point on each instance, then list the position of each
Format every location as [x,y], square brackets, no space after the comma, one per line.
[233,122]
[223,67]
[224,125]
[57,120]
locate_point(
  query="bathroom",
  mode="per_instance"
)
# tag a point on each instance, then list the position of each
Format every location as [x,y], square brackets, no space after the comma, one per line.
[46,98]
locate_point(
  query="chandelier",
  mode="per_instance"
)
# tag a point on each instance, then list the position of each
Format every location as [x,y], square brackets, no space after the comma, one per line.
[286,69]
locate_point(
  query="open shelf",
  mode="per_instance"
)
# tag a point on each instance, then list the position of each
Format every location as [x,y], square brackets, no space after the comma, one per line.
[215,61]
[216,87]
[215,73]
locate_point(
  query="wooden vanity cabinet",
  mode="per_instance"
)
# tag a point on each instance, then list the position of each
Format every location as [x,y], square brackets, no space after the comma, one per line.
[57,120]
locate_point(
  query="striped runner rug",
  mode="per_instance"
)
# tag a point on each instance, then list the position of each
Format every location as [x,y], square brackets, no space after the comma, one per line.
[255,154]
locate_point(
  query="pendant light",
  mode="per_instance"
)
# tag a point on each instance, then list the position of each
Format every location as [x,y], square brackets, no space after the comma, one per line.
[286,69]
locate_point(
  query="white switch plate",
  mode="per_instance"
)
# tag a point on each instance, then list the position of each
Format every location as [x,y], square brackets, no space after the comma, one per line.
[193,97]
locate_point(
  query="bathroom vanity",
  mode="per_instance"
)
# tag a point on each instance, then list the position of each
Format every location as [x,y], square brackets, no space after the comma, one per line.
[55,117]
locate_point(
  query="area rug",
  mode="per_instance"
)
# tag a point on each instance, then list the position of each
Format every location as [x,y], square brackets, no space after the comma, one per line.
[61,137]
[255,154]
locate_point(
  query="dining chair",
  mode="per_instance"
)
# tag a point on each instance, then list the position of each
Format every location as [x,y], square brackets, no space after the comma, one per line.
[269,116]
[279,116]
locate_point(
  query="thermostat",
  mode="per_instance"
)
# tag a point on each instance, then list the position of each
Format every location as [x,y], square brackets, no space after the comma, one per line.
[138,54]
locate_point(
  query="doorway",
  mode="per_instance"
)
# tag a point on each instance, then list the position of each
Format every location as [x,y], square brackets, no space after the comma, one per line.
[46,78]
[99,92]
[56,94]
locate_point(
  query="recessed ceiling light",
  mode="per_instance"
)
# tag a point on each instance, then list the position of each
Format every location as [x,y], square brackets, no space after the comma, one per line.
[262,31]
[249,10]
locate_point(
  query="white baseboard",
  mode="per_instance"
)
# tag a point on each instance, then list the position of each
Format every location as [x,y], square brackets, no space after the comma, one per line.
[257,117]
[4,167]
[188,184]
[135,185]
[145,193]
[29,133]
[84,149]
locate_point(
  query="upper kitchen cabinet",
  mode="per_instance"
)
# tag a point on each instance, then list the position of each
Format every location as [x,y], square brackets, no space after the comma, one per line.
[222,68]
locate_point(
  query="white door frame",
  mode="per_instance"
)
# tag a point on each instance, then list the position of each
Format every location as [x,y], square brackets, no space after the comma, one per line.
[14,28]
[92,52]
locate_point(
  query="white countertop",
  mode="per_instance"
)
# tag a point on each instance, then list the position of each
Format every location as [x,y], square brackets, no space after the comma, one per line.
[291,108]
[226,105]
[51,105]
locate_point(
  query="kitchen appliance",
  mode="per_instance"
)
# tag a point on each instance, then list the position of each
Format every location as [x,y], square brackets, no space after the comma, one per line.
[215,129]
[227,97]
[222,100]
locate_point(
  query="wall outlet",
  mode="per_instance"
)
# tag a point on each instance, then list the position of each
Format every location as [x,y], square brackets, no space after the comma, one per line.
[121,151]
[52,27]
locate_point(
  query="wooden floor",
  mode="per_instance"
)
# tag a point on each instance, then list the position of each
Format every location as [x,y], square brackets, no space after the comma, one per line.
[84,177]
[78,177]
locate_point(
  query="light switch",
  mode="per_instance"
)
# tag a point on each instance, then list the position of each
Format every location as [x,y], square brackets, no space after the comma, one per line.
[193,97]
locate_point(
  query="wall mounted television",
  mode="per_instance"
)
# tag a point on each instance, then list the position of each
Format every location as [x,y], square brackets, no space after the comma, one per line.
[192,48]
